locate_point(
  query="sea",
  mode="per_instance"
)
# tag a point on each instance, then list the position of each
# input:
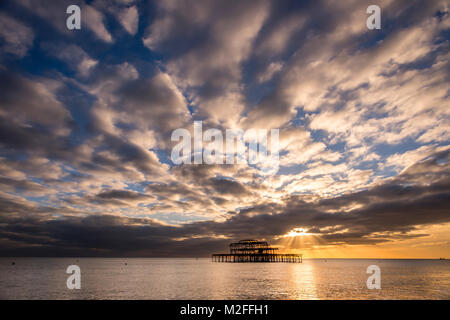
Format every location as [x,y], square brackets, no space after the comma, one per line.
[191,278]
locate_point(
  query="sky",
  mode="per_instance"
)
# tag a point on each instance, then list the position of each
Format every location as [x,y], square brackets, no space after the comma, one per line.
[86,118]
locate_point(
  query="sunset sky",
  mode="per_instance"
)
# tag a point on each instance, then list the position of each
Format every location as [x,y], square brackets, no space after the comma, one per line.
[86,118]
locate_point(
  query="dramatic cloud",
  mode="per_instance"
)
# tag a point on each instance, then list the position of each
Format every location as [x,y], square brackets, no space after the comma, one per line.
[17,38]
[73,55]
[86,119]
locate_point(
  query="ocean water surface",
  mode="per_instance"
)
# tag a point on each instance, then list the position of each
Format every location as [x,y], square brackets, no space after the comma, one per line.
[155,278]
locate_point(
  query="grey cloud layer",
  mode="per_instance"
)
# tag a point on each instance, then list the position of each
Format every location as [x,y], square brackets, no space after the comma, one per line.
[387,212]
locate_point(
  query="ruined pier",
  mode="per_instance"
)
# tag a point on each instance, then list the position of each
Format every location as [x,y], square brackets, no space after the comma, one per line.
[255,251]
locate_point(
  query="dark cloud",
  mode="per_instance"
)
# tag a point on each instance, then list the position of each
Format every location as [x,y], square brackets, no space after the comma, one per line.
[224,186]
[21,185]
[389,212]
[122,198]
[121,194]
[30,102]
[154,103]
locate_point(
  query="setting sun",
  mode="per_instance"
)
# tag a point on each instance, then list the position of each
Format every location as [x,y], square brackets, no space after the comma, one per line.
[296,232]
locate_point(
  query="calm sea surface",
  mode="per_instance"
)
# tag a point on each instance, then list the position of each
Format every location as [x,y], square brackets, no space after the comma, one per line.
[45,278]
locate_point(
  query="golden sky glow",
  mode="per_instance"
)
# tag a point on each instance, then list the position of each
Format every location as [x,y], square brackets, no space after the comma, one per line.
[434,246]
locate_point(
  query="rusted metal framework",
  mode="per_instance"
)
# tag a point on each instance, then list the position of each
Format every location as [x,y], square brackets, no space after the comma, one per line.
[254,251]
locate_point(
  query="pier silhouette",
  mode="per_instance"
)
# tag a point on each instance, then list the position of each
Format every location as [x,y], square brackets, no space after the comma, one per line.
[255,251]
